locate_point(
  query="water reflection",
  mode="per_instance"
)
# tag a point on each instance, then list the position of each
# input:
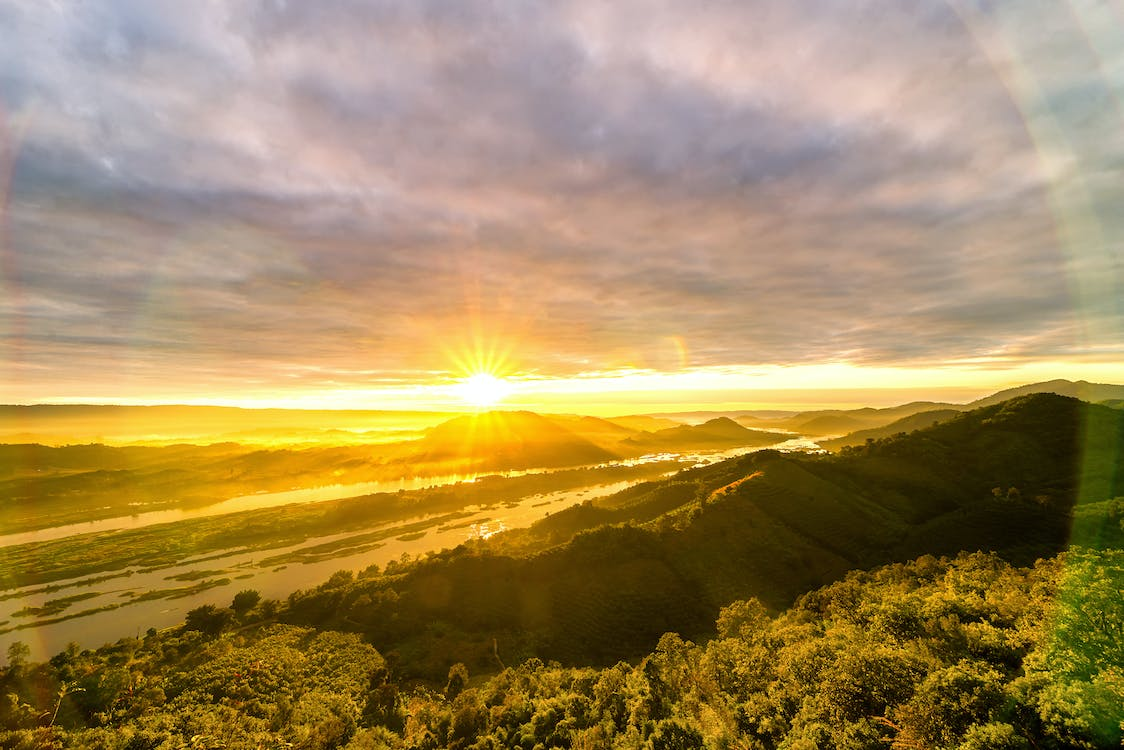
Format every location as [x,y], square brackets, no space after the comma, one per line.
[341,491]
[123,603]
[129,601]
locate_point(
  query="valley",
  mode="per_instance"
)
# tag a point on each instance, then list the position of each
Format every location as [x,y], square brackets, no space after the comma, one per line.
[152,566]
[581,566]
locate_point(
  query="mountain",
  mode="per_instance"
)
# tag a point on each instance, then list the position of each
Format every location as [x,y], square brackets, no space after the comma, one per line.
[829,422]
[913,422]
[826,422]
[604,580]
[965,652]
[1092,392]
[644,423]
[507,440]
[1081,389]
[834,424]
[722,432]
[601,432]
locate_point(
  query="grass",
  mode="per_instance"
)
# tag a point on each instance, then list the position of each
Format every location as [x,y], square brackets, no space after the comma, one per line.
[54,606]
[178,592]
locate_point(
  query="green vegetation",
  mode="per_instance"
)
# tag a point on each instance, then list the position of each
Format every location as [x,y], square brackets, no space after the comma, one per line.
[179,592]
[936,653]
[918,421]
[725,607]
[602,581]
[46,486]
[54,606]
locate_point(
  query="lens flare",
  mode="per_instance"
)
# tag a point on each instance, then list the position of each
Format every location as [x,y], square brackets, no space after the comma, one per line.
[483,389]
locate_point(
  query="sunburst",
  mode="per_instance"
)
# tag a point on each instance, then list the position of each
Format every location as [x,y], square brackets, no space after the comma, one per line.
[483,389]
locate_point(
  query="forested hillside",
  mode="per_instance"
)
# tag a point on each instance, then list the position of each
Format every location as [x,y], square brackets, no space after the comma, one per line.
[604,580]
[752,558]
[964,653]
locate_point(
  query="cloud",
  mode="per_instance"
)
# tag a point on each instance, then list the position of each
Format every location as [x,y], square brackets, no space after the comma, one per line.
[256,189]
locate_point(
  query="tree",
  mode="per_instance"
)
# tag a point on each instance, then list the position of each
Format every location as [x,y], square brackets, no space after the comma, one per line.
[17,656]
[244,601]
[671,735]
[949,701]
[208,619]
[742,619]
[458,680]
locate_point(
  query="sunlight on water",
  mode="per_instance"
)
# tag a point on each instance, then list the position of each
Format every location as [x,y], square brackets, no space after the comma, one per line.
[340,491]
[486,530]
[274,572]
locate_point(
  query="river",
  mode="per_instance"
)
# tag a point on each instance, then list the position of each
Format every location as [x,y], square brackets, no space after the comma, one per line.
[230,571]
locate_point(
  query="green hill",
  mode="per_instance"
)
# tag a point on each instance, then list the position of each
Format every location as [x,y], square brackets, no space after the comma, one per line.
[913,422]
[1004,478]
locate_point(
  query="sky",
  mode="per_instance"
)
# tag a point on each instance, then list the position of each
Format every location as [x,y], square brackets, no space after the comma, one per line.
[657,203]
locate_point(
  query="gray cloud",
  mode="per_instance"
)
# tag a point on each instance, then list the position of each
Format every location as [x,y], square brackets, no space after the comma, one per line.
[340,186]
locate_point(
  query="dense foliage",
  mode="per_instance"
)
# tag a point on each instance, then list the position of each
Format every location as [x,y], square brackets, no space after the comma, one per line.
[580,629]
[936,653]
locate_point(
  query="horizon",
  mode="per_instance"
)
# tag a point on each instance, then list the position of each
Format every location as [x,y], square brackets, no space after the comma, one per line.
[814,400]
[449,401]
[568,206]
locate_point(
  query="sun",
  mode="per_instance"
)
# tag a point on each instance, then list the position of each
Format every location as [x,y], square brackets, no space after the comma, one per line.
[483,389]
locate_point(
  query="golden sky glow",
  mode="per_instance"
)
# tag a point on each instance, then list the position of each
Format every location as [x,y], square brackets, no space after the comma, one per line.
[636,391]
[608,207]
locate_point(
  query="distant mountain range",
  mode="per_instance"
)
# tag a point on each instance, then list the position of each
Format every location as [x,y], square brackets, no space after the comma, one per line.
[504,439]
[1080,389]
[721,432]
[855,425]
[46,485]
[1104,394]
[522,436]
[516,438]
